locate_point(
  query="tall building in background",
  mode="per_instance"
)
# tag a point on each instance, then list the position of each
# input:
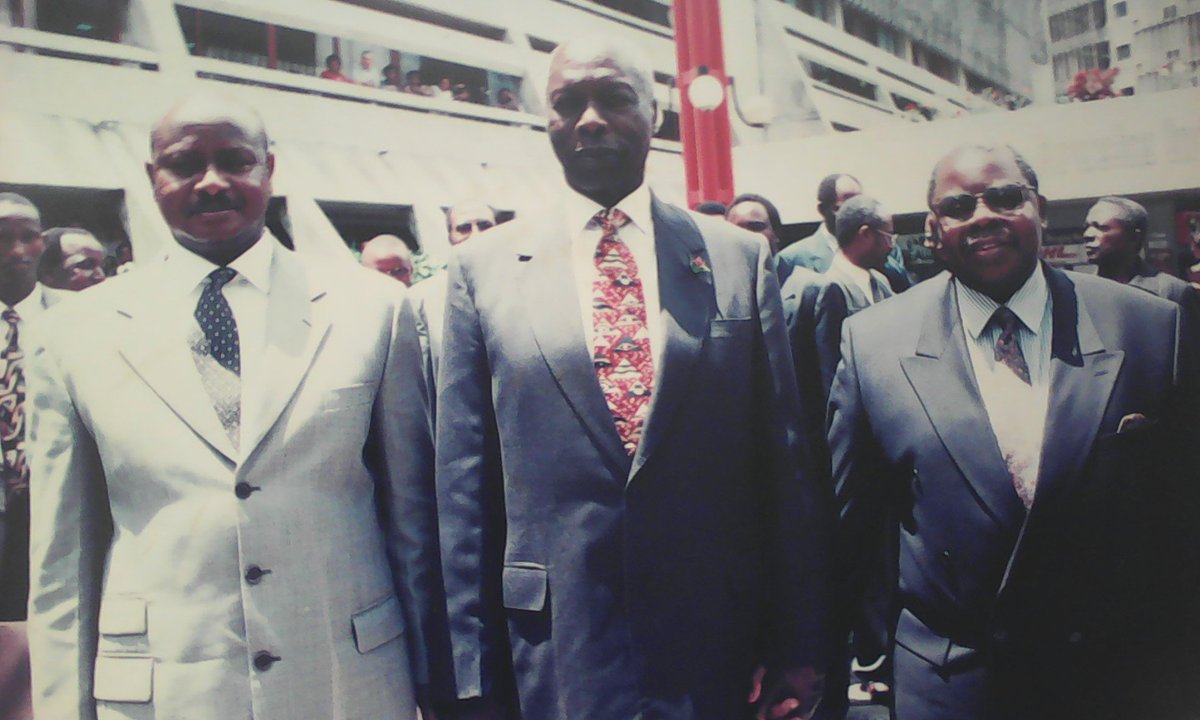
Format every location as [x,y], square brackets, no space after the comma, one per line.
[1154,44]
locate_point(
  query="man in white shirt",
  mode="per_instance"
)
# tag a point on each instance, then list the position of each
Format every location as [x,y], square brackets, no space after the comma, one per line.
[23,301]
[615,389]
[1014,435]
[232,498]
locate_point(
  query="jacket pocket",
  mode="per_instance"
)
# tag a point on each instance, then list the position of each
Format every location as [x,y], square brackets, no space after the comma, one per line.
[348,397]
[916,637]
[526,587]
[378,624]
[123,678]
[122,615]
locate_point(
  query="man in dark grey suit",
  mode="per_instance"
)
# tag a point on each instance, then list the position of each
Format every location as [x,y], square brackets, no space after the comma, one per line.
[1016,430]
[615,380]
[1115,233]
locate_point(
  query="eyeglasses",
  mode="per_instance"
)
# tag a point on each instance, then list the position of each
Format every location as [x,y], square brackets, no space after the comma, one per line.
[1001,198]
[755,226]
[480,225]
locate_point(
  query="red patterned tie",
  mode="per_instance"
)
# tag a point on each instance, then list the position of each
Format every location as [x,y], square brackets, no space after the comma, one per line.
[621,340]
[12,409]
[1008,348]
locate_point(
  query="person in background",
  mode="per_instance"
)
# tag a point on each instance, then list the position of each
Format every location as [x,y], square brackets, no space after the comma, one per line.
[389,255]
[1019,439]
[333,69]
[615,390]
[391,78]
[756,214]
[24,302]
[1116,236]
[505,98]
[73,260]
[364,71]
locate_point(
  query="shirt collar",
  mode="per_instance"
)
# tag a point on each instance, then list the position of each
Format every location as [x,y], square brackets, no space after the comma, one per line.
[828,237]
[187,269]
[860,276]
[33,303]
[1028,303]
[580,210]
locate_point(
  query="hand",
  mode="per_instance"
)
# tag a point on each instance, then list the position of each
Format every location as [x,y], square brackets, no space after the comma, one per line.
[786,693]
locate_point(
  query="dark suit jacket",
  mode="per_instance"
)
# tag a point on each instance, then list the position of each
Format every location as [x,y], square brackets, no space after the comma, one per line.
[651,584]
[1052,611]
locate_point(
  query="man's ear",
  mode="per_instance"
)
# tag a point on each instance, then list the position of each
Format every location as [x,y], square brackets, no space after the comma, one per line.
[931,231]
[1041,202]
[270,164]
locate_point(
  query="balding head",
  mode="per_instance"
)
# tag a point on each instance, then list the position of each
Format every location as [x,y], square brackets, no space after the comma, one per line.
[389,255]
[211,170]
[600,113]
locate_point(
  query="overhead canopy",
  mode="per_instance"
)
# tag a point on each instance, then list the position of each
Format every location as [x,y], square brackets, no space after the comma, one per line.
[1125,146]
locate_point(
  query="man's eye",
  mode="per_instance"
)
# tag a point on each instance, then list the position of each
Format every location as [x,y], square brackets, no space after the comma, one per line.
[567,105]
[183,165]
[236,162]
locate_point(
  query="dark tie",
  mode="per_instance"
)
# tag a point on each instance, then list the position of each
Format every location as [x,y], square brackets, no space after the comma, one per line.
[621,352]
[216,351]
[1008,347]
[12,409]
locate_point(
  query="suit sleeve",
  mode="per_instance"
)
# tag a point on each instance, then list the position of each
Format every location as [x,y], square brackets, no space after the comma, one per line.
[858,472]
[798,502]
[400,452]
[70,533]
[470,495]
[829,314]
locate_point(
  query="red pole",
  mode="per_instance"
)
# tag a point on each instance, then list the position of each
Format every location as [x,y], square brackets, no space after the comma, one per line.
[706,134]
[272,47]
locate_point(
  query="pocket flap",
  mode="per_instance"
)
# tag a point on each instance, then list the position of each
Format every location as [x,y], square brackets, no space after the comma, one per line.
[378,624]
[920,640]
[349,396]
[525,587]
[122,616]
[123,678]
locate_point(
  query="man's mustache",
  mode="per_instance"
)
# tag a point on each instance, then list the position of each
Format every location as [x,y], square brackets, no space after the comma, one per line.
[214,203]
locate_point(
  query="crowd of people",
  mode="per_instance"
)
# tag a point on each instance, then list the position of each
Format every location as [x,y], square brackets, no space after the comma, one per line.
[619,460]
[412,83]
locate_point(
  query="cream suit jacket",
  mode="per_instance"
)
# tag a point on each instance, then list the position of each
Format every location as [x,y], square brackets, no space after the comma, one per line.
[170,568]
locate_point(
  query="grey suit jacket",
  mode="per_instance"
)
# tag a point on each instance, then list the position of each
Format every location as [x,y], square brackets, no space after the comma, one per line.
[1041,603]
[649,584]
[172,568]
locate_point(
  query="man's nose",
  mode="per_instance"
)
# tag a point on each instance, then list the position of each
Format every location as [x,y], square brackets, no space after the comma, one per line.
[591,120]
[212,181]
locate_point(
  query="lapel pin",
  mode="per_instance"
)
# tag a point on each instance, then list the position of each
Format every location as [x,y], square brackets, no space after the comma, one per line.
[699,266]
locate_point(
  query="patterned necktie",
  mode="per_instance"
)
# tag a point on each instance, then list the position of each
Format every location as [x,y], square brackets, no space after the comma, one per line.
[1008,348]
[621,352]
[12,409]
[216,351]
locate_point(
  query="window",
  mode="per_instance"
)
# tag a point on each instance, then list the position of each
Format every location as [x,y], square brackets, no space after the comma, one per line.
[820,9]
[1172,55]
[841,80]
[1170,12]
[1122,52]
[97,19]
[865,27]
[224,37]
[649,10]
[1119,9]
[935,62]
[1068,63]
[1077,20]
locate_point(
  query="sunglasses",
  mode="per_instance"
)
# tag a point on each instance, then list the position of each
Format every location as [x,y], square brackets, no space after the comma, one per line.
[481,225]
[1001,198]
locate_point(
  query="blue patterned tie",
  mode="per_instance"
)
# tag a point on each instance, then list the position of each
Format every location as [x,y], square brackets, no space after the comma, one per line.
[217,323]
[1008,347]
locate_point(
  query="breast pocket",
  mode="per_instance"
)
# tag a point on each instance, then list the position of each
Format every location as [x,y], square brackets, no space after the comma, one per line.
[350,396]
[730,327]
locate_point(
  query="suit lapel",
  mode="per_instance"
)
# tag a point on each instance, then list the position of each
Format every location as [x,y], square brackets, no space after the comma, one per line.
[553,308]
[158,352]
[1082,377]
[295,331]
[687,306]
[941,375]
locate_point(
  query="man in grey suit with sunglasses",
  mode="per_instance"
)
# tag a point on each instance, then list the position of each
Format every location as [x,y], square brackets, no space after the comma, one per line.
[1017,431]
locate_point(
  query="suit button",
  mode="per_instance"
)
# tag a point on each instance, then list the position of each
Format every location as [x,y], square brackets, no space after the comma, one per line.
[263,660]
[254,574]
[244,489]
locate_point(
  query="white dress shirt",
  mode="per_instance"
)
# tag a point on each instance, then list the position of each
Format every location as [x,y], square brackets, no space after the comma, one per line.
[29,311]
[1017,411]
[638,236]
[247,296]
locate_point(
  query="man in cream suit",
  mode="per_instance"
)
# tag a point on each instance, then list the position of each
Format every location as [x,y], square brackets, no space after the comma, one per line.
[231,492]
[1017,435]
[615,387]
